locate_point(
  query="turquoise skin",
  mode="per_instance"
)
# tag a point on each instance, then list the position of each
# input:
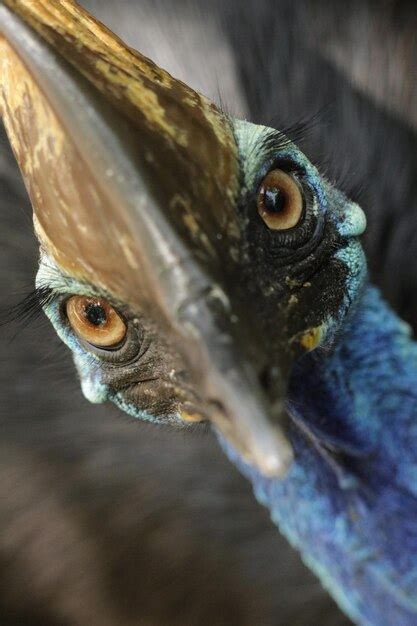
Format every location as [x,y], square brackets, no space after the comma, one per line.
[348,503]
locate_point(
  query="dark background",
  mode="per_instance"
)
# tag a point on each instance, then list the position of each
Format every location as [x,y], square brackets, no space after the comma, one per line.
[104,521]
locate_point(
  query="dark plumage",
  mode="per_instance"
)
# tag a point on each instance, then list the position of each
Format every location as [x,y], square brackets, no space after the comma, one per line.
[98,461]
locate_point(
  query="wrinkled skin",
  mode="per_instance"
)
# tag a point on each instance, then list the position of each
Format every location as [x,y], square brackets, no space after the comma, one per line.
[56,435]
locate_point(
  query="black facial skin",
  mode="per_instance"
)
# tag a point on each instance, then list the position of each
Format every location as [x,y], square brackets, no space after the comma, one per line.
[145,371]
[288,280]
[292,280]
[279,78]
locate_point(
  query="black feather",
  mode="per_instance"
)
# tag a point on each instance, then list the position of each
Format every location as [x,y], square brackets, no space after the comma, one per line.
[106,522]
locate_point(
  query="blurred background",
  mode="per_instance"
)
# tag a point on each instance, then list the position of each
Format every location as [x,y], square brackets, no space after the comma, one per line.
[105,521]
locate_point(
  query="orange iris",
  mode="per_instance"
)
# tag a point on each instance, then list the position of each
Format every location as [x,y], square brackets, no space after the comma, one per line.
[280,200]
[96,321]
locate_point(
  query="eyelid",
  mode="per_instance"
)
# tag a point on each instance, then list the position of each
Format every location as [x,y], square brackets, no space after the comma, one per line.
[288,165]
[286,162]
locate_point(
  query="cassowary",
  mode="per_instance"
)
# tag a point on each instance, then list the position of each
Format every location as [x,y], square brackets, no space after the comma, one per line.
[201,269]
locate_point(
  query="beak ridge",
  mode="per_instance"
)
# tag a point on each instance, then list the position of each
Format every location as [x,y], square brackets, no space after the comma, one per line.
[132,176]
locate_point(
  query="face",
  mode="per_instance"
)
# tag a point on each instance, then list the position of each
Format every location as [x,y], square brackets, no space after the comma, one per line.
[298,268]
[187,259]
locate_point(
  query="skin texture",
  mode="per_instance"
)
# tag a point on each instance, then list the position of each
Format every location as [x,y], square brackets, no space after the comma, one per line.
[307,619]
[311,278]
[205,351]
[349,501]
[99,382]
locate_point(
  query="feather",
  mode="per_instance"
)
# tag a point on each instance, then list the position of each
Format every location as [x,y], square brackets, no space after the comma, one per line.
[65,469]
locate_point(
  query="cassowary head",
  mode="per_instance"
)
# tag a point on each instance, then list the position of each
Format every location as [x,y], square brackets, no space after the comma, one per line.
[188,259]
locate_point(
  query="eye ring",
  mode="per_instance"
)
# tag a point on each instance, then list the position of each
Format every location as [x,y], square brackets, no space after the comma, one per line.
[95,321]
[280,201]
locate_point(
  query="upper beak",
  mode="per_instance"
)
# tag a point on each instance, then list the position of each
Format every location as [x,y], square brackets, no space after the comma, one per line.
[133,178]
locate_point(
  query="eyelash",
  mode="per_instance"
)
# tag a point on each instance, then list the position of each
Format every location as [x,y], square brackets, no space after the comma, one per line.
[30,308]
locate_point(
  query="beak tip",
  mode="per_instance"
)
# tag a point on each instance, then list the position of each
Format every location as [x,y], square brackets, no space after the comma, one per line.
[250,436]
[276,462]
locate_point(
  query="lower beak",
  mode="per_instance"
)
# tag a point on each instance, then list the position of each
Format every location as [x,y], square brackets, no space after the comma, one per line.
[132,178]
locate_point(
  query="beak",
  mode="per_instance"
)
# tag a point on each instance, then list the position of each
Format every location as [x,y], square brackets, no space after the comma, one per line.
[133,179]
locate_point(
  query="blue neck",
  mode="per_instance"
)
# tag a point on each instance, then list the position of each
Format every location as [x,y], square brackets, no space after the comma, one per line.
[349,503]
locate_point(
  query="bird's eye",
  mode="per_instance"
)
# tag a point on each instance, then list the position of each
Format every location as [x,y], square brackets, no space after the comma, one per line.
[280,200]
[95,321]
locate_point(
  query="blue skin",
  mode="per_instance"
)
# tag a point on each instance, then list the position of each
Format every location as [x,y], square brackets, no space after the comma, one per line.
[348,503]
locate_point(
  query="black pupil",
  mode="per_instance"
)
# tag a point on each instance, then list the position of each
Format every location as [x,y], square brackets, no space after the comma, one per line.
[95,314]
[274,200]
